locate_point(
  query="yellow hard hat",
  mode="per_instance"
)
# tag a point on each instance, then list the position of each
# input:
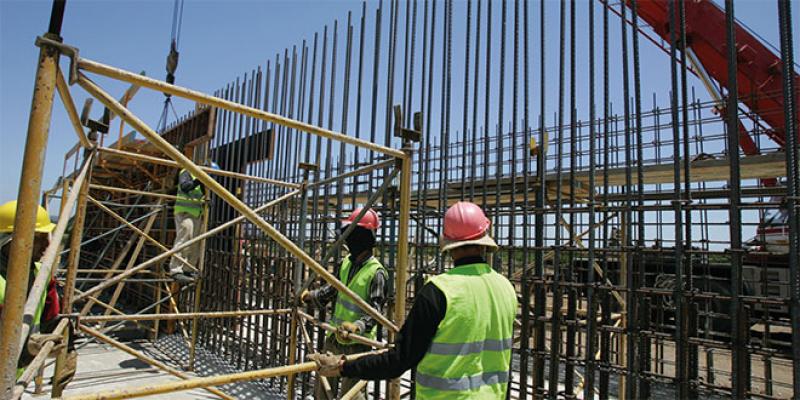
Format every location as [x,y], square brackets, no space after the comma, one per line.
[8,212]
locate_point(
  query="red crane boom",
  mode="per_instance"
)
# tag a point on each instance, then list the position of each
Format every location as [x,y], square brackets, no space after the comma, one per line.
[759,73]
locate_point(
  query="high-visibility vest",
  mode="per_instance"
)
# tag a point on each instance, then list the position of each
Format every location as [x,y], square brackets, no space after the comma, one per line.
[190,202]
[37,315]
[346,309]
[470,355]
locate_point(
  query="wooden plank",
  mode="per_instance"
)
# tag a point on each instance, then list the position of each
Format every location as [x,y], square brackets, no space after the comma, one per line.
[709,170]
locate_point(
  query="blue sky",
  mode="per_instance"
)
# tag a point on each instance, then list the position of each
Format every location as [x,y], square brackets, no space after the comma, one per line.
[222,40]
[219,40]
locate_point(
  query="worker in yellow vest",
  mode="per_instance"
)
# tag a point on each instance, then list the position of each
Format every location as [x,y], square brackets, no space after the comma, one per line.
[459,332]
[364,275]
[187,211]
[45,318]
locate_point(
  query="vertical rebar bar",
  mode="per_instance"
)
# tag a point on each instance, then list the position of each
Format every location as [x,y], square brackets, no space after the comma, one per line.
[793,178]
[591,315]
[738,378]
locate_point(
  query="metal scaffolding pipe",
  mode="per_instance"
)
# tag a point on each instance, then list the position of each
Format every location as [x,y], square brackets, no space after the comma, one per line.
[188,384]
[21,249]
[212,171]
[192,315]
[138,231]
[149,360]
[72,112]
[132,191]
[119,74]
[177,249]
[330,328]
[38,362]
[223,193]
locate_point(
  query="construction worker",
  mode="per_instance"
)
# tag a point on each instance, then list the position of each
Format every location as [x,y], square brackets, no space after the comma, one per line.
[45,318]
[187,210]
[459,332]
[364,275]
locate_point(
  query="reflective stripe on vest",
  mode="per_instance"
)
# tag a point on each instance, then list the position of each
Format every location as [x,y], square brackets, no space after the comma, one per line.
[346,310]
[470,355]
[467,383]
[462,349]
[190,202]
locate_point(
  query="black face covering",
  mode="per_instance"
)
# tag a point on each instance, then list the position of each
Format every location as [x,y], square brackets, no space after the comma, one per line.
[359,241]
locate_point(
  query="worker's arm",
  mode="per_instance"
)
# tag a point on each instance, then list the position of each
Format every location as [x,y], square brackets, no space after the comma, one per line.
[325,294]
[377,298]
[186,182]
[322,296]
[412,342]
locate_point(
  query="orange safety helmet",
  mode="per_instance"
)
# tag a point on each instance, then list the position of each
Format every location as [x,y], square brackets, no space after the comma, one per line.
[465,224]
[370,220]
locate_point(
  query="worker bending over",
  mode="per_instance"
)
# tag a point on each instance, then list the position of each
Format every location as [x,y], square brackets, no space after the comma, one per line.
[45,318]
[366,277]
[188,210]
[459,332]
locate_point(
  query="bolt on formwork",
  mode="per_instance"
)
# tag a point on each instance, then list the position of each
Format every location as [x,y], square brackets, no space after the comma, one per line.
[624,226]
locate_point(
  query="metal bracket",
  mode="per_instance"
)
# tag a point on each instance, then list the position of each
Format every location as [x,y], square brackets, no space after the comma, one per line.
[72,317]
[72,52]
[413,135]
[307,166]
[94,125]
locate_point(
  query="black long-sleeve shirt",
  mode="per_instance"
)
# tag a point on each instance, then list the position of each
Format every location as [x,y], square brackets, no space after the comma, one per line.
[414,338]
[377,294]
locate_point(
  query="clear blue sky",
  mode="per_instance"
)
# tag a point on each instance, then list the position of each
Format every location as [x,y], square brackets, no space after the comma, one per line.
[219,41]
[222,39]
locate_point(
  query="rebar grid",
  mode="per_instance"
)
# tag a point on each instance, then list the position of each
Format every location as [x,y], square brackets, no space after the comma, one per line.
[625,240]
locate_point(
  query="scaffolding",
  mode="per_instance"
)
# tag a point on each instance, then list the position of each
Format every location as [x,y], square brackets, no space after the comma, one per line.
[623,234]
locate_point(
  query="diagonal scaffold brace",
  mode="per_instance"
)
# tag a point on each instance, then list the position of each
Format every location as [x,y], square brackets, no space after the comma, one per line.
[228,197]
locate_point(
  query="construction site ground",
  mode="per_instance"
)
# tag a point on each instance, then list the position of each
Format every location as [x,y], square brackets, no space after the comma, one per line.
[102,367]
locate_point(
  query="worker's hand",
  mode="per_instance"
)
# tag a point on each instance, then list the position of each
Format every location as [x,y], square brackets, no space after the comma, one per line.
[37,341]
[304,297]
[352,327]
[346,328]
[328,364]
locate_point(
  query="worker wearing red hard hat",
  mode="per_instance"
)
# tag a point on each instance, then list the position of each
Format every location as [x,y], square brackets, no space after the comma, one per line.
[458,334]
[364,275]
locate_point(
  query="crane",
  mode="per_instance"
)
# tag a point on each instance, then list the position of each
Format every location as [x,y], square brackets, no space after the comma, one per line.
[759,70]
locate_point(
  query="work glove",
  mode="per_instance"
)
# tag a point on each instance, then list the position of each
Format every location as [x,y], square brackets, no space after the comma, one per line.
[346,328]
[328,364]
[37,341]
[304,297]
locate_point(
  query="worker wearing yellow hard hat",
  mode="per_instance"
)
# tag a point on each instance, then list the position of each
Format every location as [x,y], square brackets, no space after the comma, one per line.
[8,213]
[45,318]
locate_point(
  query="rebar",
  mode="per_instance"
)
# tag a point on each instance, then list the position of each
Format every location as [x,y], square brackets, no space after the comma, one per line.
[626,241]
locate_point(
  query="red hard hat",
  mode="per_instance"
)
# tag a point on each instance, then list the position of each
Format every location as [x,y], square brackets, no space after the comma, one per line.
[465,224]
[370,220]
